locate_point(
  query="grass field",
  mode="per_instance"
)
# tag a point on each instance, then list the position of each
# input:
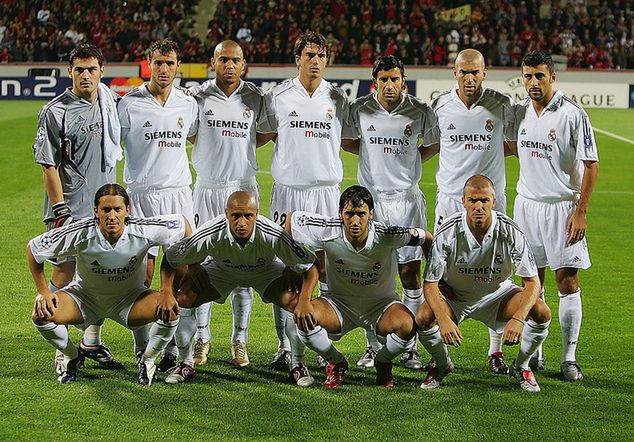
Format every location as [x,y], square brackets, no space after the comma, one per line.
[254,403]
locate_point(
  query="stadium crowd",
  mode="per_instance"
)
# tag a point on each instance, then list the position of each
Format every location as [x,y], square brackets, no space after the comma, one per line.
[593,34]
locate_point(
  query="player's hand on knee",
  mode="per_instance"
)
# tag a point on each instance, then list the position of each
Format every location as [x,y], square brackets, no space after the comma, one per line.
[512,334]
[61,215]
[304,315]
[450,332]
[167,309]
[46,304]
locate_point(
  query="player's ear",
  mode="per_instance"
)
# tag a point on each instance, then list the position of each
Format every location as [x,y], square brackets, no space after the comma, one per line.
[371,216]
[553,77]
[70,71]
[297,61]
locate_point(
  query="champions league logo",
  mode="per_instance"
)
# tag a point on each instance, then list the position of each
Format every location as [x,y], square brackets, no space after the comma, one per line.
[46,242]
[330,113]
[301,221]
[488,125]
[247,113]
[498,259]
[408,130]
[587,141]
[180,123]
[171,224]
[552,135]
[41,135]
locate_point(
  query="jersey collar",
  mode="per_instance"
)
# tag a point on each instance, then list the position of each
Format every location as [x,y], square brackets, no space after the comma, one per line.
[300,86]
[368,242]
[214,87]
[487,236]
[379,106]
[105,242]
[232,239]
[454,94]
[145,91]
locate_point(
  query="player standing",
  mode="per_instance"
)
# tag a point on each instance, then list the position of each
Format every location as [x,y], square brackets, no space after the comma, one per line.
[306,114]
[77,145]
[559,164]
[474,122]
[391,126]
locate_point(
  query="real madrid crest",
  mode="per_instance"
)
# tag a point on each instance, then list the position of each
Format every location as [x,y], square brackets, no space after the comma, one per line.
[330,113]
[180,122]
[498,259]
[552,135]
[247,113]
[377,266]
[408,130]
[488,125]
[132,261]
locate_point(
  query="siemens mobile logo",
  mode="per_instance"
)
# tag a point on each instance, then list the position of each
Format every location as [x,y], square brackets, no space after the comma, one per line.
[98,126]
[462,138]
[482,274]
[538,149]
[228,124]
[166,138]
[390,141]
[320,125]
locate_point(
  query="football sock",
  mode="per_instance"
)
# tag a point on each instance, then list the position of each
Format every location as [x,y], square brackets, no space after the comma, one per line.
[52,287]
[539,353]
[141,338]
[412,298]
[203,316]
[171,347]
[185,334]
[432,341]
[279,316]
[533,336]
[298,348]
[323,288]
[570,315]
[92,335]
[241,301]
[495,342]
[318,340]
[160,334]
[371,339]
[394,346]
[57,336]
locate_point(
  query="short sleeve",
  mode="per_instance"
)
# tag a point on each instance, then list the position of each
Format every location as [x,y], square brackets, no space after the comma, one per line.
[583,138]
[436,265]
[48,140]
[430,131]
[268,123]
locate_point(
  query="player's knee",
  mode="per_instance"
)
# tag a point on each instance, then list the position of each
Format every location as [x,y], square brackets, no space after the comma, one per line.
[567,280]
[185,298]
[424,317]
[38,320]
[410,276]
[540,312]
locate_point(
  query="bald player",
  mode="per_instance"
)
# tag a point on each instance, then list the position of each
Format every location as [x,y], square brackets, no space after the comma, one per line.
[474,122]
[229,112]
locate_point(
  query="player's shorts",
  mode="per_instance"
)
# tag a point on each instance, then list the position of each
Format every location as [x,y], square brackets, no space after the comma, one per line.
[323,200]
[210,199]
[94,308]
[225,281]
[485,309]
[407,209]
[544,225]
[351,318]
[447,206]
[150,203]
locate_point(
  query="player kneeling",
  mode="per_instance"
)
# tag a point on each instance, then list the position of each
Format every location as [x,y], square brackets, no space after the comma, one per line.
[111,251]
[361,272]
[468,276]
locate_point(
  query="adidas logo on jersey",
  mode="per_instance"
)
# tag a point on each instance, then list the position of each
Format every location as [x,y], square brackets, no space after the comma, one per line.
[371,128]
[209,112]
[293,114]
[451,127]
[147,124]
[461,261]
[95,263]
[339,261]
[523,132]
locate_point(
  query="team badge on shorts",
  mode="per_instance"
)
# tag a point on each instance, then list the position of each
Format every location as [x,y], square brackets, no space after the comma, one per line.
[488,125]
[247,113]
[330,113]
[498,259]
[408,130]
[377,266]
[552,135]
[180,123]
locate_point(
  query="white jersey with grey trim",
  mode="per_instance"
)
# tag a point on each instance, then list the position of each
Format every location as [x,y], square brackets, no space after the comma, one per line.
[474,270]
[551,148]
[104,269]
[389,159]
[70,138]
[359,276]
[155,139]
[268,243]
[308,130]
[225,144]
[472,139]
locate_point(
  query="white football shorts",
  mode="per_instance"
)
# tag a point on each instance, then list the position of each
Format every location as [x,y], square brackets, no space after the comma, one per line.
[323,200]
[211,200]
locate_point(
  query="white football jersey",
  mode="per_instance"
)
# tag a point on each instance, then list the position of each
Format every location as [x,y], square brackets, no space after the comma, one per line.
[360,277]
[103,269]
[155,139]
[268,243]
[551,149]
[308,130]
[389,159]
[225,145]
[474,270]
[472,139]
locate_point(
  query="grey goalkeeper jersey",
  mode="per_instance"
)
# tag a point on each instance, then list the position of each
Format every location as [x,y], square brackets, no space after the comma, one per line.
[70,137]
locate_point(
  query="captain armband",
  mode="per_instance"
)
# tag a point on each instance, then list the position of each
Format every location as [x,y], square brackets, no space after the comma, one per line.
[418,237]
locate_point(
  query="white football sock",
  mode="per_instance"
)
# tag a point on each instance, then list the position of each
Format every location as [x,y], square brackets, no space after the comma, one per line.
[241,302]
[533,336]
[412,298]
[160,334]
[92,335]
[298,349]
[495,342]
[394,346]
[371,339]
[570,314]
[432,341]
[203,317]
[279,316]
[185,334]
[57,336]
[318,340]
[141,338]
[323,288]
[539,353]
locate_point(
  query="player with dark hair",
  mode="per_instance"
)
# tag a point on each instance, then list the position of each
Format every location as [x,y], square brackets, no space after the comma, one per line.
[384,130]
[111,252]
[305,117]
[559,164]
[468,276]
[77,145]
[360,271]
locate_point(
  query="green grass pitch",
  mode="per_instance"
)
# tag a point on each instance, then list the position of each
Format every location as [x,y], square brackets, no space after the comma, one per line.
[253,403]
